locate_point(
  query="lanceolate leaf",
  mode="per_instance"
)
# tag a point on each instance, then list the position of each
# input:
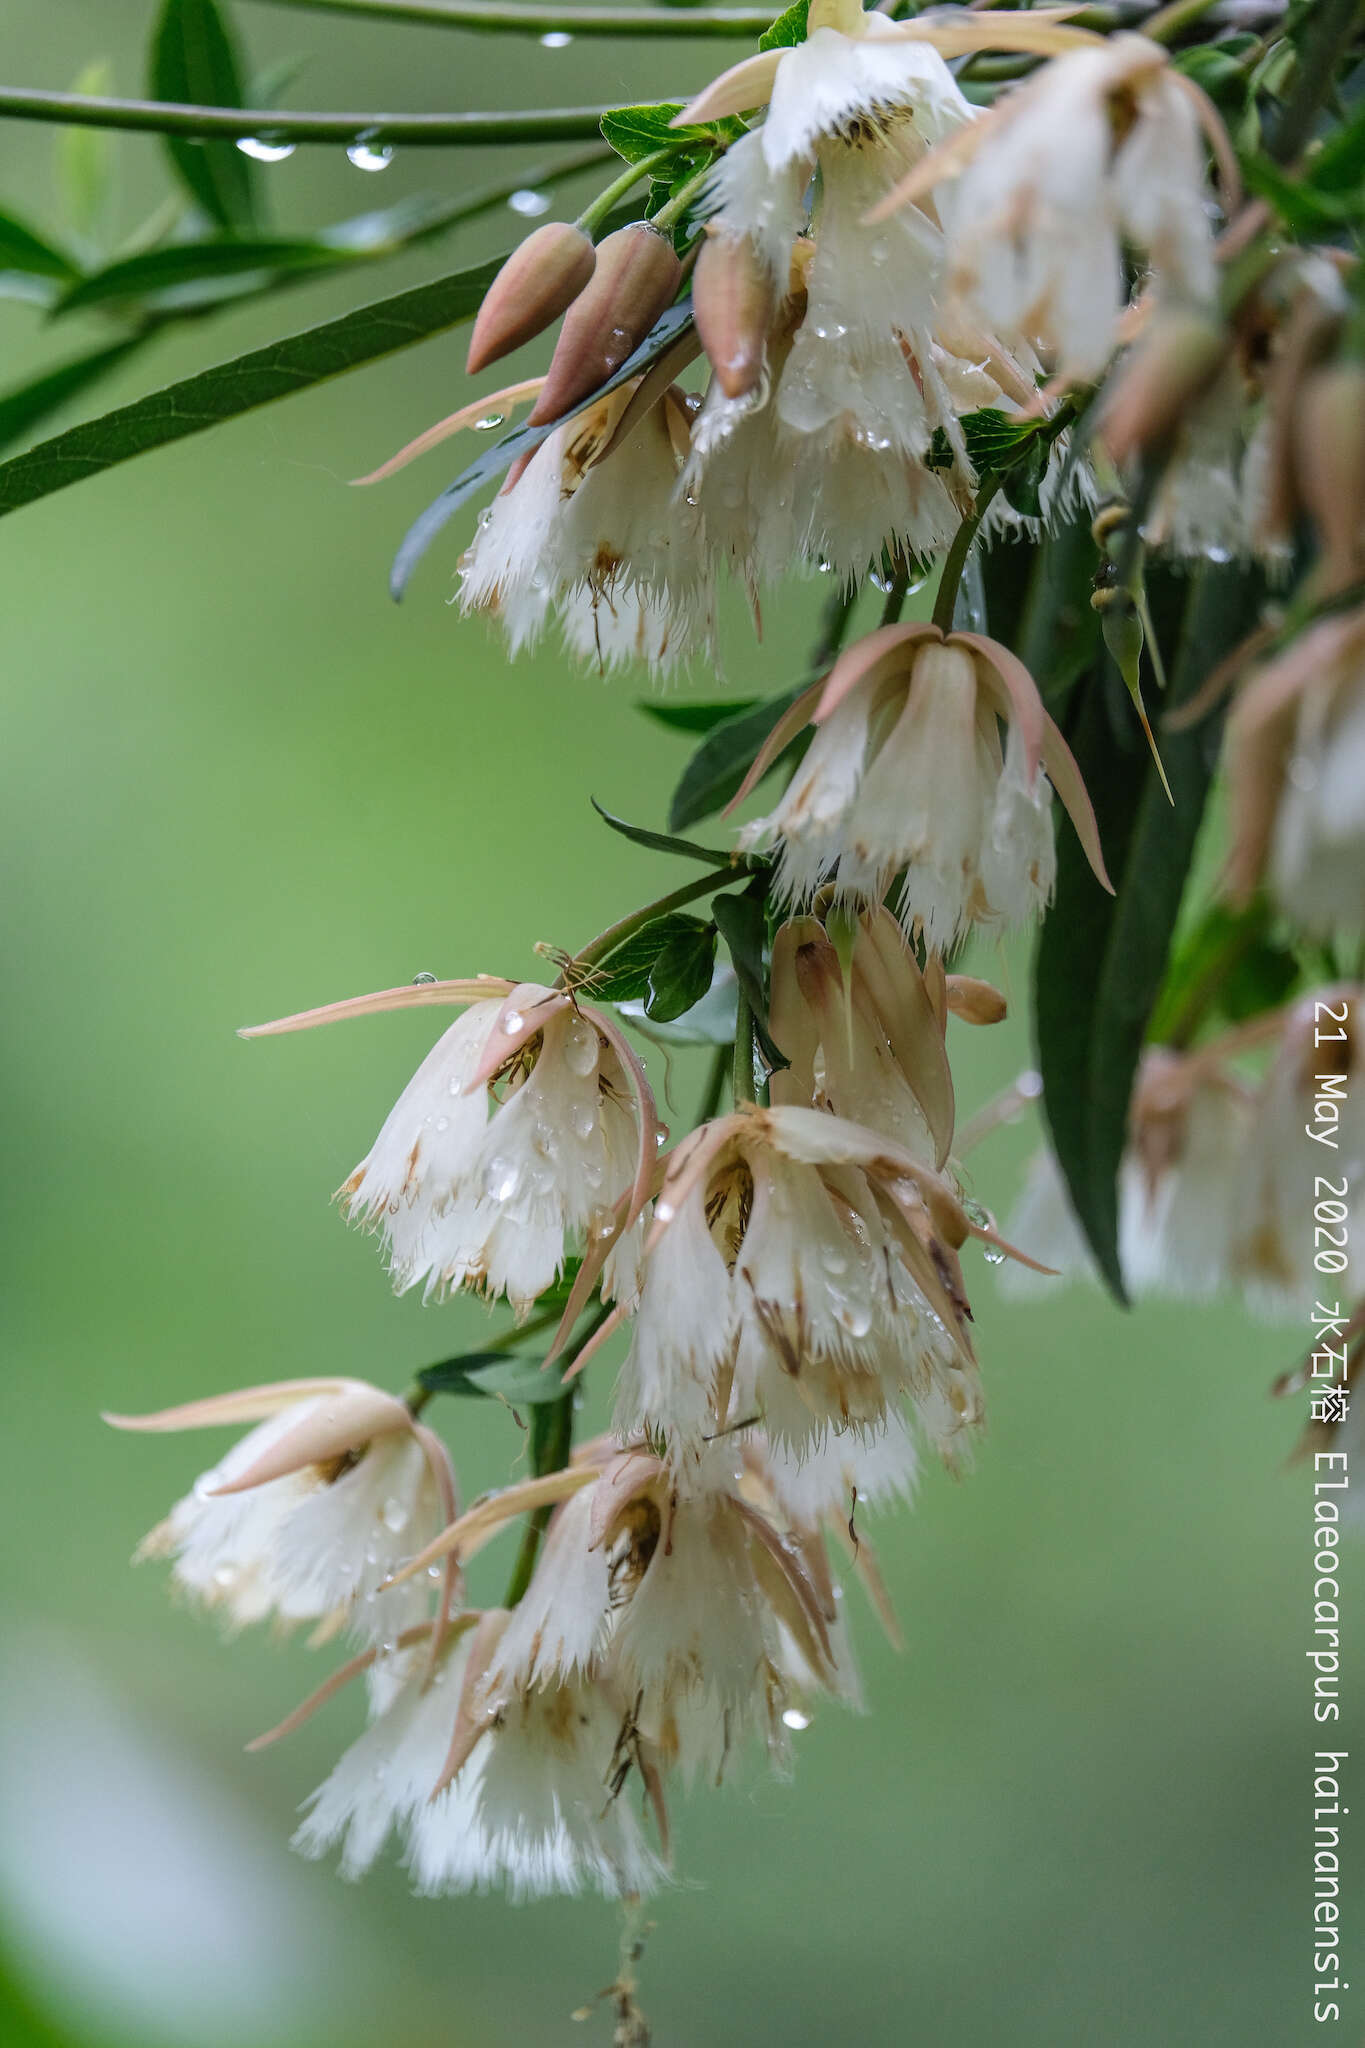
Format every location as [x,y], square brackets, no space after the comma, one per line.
[661,842]
[194,64]
[23,248]
[1101,960]
[276,371]
[22,408]
[695,717]
[721,762]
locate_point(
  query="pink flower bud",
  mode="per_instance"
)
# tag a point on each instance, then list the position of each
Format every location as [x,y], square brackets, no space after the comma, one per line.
[636,276]
[535,284]
[734,298]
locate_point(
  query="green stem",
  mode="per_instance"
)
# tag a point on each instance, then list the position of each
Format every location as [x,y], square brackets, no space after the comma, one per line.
[551,1443]
[1200,998]
[834,618]
[167,117]
[742,1062]
[607,941]
[592,217]
[895,598]
[673,211]
[721,1061]
[949,582]
[537,20]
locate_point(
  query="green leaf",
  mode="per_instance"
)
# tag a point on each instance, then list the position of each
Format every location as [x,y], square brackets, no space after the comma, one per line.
[995,440]
[500,457]
[195,63]
[23,407]
[661,842]
[1300,204]
[162,279]
[1101,960]
[788,30]
[85,160]
[1227,969]
[744,929]
[710,1021]
[636,132]
[520,1382]
[695,717]
[721,762]
[1339,165]
[681,973]
[626,973]
[23,248]
[276,371]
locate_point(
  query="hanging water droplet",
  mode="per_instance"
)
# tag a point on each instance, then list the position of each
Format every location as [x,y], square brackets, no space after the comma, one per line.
[226,1575]
[994,1256]
[394,1514]
[434,1571]
[488,422]
[262,151]
[528,203]
[370,156]
[601,1224]
[500,1179]
[661,1137]
[423,979]
[580,1047]
[557,39]
[792,1717]
[1030,1084]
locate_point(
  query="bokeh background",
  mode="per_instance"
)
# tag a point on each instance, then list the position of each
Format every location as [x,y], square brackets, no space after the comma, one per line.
[235,781]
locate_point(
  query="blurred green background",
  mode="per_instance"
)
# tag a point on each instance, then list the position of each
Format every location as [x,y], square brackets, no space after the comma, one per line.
[238,781]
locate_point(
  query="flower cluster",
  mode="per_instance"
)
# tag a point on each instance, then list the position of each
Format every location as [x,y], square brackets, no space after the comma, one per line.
[875,264]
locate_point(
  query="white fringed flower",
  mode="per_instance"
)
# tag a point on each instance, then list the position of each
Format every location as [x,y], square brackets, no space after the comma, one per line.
[593,531]
[309,1514]
[803,1270]
[1296,752]
[1101,147]
[907,774]
[867,1043]
[488,1786]
[517,1138]
[687,1596]
[1188,1128]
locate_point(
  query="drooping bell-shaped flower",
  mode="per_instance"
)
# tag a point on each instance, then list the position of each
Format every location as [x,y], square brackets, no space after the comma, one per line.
[490,1785]
[803,1271]
[1102,147]
[527,1133]
[593,532]
[1296,764]
[908,776]
[310,1512]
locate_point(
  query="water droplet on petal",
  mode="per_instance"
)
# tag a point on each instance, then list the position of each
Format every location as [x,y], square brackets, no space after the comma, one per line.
[262,151]
[580,1047]
[528,203]
[394,1514]
[488,422]
[421,980]
[370,156]
[226,1575]
[664,1212]
[601,1224]
[512,1021]
[500,1179]
[1303,773]
[792,1717]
